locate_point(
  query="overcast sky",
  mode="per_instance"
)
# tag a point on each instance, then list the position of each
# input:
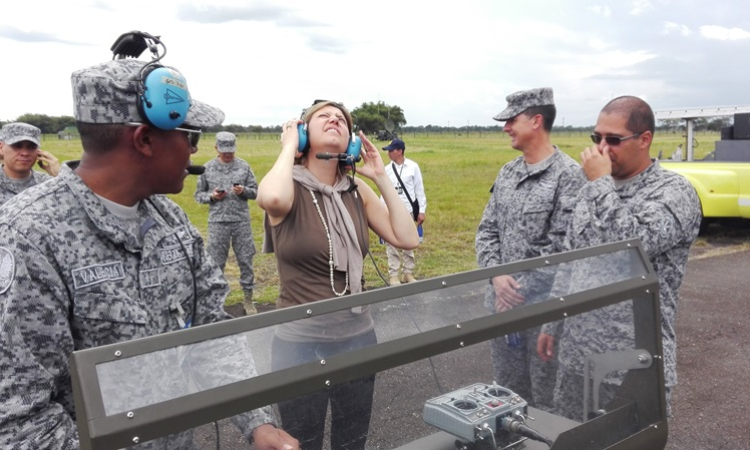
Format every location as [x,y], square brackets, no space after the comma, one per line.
[444,63]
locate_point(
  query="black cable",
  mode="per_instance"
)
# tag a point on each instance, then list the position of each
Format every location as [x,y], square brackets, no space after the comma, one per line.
[365,232]
[189,261]
[195,284]
[191,322]
[218,436]
[514,426]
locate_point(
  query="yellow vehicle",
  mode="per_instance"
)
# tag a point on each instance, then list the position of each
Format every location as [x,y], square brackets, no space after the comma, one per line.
[722,179]
[723,187]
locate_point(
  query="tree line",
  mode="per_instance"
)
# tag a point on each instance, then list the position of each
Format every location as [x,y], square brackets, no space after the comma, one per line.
[369,117]
[48,124]
[374,117]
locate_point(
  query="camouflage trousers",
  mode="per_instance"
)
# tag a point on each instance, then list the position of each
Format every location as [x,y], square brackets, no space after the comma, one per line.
[238,235]
[568,395]
[519,369]
[394,260]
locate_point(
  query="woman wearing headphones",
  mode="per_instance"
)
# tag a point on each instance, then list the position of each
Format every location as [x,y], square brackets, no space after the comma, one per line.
[316,219]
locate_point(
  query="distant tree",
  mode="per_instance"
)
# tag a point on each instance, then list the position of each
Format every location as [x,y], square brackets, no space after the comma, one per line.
[371,117]
[716,124]
[670,124]
[63,122]
[47,124]
[701,124]
[234,128]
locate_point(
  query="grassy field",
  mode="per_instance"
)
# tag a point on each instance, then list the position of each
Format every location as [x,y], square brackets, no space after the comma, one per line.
[458,172]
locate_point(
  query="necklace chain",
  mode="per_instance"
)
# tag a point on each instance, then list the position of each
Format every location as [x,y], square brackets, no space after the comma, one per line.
[330,248]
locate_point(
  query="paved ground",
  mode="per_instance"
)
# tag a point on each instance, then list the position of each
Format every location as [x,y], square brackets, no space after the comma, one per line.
[711,401]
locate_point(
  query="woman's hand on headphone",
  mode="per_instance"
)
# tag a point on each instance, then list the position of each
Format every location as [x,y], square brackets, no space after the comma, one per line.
[290,135]
[373,163]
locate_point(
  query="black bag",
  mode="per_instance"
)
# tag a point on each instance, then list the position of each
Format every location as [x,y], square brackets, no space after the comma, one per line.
[415,202]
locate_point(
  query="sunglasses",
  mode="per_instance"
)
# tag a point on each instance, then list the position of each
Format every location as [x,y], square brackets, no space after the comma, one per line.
[612,141]
[193,136]
[332,101]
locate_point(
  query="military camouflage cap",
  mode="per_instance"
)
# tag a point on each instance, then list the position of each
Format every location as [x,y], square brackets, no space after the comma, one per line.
[520,101]
[108,93]
[225,142]
[19,131]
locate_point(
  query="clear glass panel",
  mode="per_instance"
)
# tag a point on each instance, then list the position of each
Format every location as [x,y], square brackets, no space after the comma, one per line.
[164,375]
[428,405]
[151,378]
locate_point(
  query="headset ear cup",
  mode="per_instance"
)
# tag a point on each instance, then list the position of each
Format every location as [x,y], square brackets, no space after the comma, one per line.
[164,99]
[303,146]
[355,148]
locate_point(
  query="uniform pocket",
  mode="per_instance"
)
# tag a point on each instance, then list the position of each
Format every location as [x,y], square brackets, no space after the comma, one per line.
[535,220]
[101,319]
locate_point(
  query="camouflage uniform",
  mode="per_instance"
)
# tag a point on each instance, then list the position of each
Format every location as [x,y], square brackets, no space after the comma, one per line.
[10,134]
[74,276]
[526,217]
[662,209]
[9,187]
[229,219]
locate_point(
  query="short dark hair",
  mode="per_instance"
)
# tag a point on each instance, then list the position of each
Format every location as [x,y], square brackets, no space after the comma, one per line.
[99,137]
[640,116]
[548,113]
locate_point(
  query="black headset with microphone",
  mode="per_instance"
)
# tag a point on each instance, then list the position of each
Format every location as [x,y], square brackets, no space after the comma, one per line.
[353,149]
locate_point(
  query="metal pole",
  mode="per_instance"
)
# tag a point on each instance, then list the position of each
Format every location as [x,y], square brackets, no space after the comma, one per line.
[689,139]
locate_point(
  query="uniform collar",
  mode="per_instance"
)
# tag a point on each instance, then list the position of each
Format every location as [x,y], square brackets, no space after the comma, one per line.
[631,186]
[224,167]
[540,166]
[11,183]
[106,223]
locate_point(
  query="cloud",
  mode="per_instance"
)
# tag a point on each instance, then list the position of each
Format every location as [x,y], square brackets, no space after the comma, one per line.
[723,34]
[601,10]
[671,27]
[597,44]
[15,34]
[102,5]
[640,7]
[275,14]
[327,44]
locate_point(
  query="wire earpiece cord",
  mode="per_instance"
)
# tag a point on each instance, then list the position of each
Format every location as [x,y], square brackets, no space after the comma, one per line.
[191,322]
[365,232]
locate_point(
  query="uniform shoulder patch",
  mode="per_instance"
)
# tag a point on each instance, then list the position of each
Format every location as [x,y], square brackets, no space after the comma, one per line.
[7,269]
[665,228]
